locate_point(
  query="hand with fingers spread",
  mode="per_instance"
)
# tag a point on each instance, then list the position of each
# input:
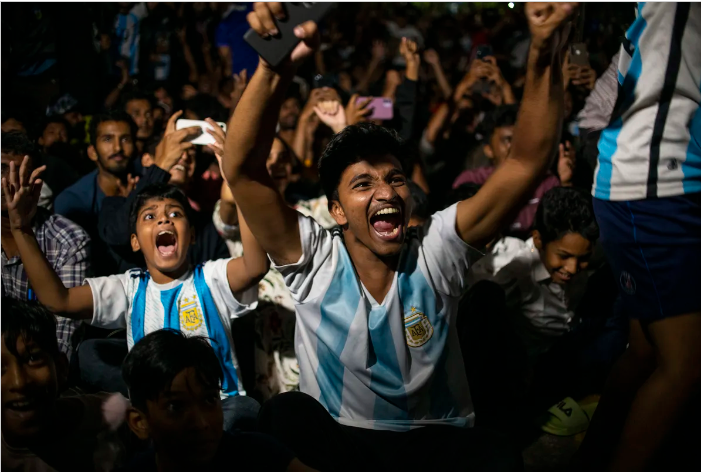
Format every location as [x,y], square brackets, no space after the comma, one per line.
[22,189]
[174,144]
[549,25]
[566,164]
[332,114]
[262,21]
[357,112]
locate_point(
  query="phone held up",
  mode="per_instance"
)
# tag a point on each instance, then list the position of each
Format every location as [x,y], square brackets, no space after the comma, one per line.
[276,48]
[579,55]
[382,108]
[204,138]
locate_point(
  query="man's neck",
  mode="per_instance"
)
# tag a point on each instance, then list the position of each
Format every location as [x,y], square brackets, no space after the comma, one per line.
[376,273]
[163,278]
[109,183]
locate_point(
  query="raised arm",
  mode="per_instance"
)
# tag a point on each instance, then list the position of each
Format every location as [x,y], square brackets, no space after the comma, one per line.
[272,222]
[536,134]
[21,191]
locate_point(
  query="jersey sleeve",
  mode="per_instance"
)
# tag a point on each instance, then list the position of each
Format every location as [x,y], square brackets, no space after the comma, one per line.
[110,297]
[315,263]
[447,256]
[229,304]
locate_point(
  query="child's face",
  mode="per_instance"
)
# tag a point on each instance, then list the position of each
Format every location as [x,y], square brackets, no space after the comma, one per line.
[30,387]
[163,235]
[185,423]
[565,257]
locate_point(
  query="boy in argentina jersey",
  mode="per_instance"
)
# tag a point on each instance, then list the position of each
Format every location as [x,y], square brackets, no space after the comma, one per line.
[198,301]
[382,377]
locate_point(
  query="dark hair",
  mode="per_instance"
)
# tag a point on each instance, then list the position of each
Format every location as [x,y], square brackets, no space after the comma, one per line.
[352,145]
[54,119]
[159,357]
[500,117]
[18,143]
[135,94]
[421,208]
[116,115]
[159,191]
[565,210]
[29,321]
[206,106]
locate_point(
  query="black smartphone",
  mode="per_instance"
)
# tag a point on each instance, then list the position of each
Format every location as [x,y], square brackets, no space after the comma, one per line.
[275,49]
[579,55]
[484,51]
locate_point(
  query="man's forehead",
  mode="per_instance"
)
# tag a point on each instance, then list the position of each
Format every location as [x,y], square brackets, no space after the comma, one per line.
[139,103]
[380,164]
[113,127]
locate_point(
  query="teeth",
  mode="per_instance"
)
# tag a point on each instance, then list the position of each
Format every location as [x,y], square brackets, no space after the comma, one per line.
[179,167]
[166,232]
[387,211]
[390,233]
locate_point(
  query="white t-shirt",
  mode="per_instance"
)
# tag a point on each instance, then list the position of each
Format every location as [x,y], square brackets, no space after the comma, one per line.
[200,303]
[394,365]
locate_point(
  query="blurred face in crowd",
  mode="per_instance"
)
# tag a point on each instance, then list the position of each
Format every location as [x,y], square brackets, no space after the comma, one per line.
[564,258]
[279,165]
[73,118]
[142,114]
[374,204]
[499,145]
[30,386]
[53,133]
[6,159]
[289,114]
[114,147]
[13,125]
[163,235]
[181,174]
[185,422]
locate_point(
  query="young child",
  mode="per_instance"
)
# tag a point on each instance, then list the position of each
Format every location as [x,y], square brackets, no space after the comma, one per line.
[169,294]
[545,280]
[41,431]
[174,384]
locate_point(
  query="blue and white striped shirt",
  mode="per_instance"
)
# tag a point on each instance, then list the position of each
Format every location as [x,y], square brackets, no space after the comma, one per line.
[652,145]
[199,304]
[392,365]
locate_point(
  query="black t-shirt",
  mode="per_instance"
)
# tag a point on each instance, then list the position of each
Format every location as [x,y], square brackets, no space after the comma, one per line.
[237,451]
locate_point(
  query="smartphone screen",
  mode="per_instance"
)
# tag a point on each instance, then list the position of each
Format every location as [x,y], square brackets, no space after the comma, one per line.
[382,108]
[204,138]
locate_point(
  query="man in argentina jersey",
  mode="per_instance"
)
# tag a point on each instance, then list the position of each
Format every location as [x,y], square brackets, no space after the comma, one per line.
[647,199]
[382,376]
[198,301]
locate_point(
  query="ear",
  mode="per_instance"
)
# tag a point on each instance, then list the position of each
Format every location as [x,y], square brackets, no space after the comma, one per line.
[135,246]
[137,423]
[537,240]
[92,153]
[488,151]
[147,160]
[338,214]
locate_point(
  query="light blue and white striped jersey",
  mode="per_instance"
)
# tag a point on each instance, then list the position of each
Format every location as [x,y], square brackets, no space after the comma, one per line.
[200,303]
[394,365]
[126,35]
[652,145]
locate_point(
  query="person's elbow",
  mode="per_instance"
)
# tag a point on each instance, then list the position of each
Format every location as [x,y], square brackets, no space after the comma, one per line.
[258,271]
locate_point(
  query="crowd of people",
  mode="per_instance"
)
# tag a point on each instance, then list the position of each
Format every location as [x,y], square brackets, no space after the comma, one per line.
[507,248]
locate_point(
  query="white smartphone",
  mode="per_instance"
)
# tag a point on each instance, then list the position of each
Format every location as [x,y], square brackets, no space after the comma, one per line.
[204,138]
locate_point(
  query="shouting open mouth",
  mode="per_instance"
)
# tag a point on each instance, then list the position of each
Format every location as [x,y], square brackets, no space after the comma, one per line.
[388,223]
[166,243]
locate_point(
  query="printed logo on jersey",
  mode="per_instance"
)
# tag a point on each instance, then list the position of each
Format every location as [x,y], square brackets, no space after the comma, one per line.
[190,316]
[418,328]
[627,283]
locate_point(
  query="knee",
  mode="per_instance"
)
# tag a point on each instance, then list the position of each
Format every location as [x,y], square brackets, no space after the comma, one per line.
[288,410]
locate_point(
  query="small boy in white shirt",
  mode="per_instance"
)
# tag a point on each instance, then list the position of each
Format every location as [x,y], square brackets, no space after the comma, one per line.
[198,301]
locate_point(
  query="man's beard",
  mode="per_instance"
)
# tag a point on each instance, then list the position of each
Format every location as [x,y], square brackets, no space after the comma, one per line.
[118,169]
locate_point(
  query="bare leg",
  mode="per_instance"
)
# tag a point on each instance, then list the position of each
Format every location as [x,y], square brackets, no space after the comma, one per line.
[663,396]
[628,374]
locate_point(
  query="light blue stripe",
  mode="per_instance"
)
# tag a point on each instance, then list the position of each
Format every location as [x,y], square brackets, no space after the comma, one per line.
[133,52]
[332,334]
[691,167]
[216,332]
[608,143]
[169,301]
[138,307]
[416,292]
[386,379]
